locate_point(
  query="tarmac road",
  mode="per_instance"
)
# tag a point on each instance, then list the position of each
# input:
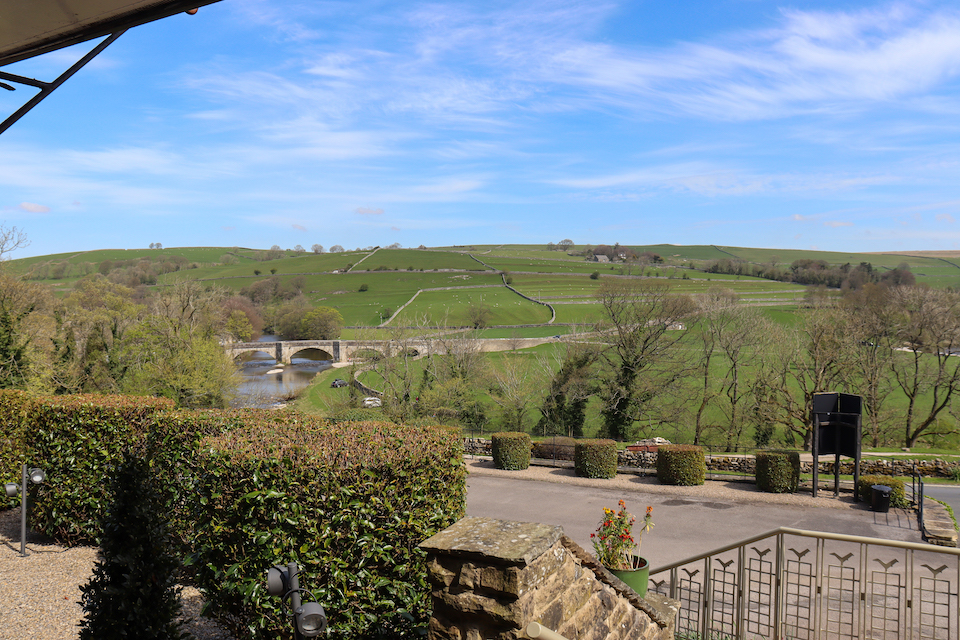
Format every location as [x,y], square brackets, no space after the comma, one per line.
[946,493]
[685,524]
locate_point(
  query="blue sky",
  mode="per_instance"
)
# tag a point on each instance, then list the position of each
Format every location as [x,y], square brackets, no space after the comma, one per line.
[828,125]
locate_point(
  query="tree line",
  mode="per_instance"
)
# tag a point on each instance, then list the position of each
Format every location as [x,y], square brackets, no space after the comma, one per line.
[704,368]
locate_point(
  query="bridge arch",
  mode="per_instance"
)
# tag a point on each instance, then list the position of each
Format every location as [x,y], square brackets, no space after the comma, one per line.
[324,353]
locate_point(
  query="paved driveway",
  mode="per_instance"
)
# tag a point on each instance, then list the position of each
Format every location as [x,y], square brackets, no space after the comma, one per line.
[686,524]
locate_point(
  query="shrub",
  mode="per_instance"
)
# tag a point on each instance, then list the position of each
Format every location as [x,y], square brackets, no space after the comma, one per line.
[350,506]
[14,444]
[595,275]
[595,458]
[560,448]
[78,440]
[778,471]
[133,590]
[511,450]
[359,414]
[681,464]
[898,493]
[364,287]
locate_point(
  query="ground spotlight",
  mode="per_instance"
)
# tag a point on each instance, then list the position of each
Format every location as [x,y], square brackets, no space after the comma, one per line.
[309,620]
[36,476]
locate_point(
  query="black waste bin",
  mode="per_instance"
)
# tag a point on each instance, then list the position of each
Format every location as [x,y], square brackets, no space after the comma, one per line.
[880,498]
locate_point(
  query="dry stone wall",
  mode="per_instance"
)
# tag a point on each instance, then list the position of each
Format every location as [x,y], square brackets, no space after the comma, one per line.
[491,578]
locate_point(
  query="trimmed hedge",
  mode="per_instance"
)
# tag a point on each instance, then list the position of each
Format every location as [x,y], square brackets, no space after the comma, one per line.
[245,490]
[778,471]
[78,440]
[595,458]
[681,464]
[559,447]
[350,506]
[511,450]
[898,493]
[14,444]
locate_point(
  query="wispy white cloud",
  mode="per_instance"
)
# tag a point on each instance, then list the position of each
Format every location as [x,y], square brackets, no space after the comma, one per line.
[31,207]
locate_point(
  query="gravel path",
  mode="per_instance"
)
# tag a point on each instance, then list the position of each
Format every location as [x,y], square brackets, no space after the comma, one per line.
[39,593]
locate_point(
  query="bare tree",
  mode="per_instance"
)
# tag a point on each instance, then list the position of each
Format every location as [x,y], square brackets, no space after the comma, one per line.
[317,248]
[11,239]
[514,390]
[928,368]
[643,321]
[811,358]
[870,315]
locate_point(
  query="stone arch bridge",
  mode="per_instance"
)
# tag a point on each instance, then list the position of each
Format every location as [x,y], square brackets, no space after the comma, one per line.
[345,350]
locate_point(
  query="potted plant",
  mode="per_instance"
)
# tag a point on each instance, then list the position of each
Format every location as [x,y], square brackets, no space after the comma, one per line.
[617,549]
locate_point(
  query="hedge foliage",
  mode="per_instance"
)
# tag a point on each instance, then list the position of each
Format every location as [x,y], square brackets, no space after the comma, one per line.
[595,458]
[681,464]
[246,490]
[898,493]
[14,405]
[511,450]
[78,440]
[778,471]
[559,448]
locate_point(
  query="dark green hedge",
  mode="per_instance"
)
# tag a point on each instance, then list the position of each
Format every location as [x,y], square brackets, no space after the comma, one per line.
[778,471]
[14,444]
[350,505]
[511,450]
[595,458]
[78,440]
[245,490]
[898,493]
[681,464]
[560,448]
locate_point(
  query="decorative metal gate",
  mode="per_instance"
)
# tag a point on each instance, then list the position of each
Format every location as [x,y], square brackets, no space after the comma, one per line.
[809,585]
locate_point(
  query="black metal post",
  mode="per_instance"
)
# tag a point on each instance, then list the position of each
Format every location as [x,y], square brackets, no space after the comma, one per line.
[816,453]
[295,601]
[23,513]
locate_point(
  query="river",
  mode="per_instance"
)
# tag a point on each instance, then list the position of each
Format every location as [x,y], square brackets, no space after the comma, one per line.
[267,384]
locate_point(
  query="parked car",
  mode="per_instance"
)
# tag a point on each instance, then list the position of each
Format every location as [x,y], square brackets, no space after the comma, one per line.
[371,402]
[338,383]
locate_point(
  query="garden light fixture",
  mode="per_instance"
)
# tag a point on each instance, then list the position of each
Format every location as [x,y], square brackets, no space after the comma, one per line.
[309,620]
[36,476]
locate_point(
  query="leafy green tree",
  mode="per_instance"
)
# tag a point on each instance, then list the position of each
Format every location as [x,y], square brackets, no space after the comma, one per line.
[133,591]
[322,323]
[238,326]
[563,411]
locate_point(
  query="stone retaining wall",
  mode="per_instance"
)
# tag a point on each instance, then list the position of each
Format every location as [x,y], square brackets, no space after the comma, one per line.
[746,465]
[491,578]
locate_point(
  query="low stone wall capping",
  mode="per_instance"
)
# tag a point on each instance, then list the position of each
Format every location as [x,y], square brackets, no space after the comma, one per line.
[745,464]
[491,578]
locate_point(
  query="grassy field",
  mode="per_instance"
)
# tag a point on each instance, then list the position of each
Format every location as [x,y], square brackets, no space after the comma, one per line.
[394,276]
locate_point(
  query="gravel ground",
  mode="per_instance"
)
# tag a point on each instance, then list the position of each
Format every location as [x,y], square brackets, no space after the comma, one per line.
[40,593]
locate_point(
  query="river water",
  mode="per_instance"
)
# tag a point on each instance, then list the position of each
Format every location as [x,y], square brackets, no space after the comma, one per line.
[267,384]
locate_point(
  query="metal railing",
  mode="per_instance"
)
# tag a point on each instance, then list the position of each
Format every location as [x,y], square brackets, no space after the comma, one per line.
[917,487]
[796,584]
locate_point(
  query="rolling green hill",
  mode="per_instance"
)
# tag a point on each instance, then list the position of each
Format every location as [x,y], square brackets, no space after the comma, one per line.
[443,283]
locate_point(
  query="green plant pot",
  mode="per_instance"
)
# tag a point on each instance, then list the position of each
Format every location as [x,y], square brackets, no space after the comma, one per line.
[636,579]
